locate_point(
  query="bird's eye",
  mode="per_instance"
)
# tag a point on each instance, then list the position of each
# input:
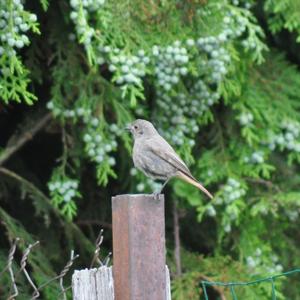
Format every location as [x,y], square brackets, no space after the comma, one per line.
[135,127]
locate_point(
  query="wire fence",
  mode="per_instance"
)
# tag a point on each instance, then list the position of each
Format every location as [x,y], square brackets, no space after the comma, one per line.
[14,275]
[232,285]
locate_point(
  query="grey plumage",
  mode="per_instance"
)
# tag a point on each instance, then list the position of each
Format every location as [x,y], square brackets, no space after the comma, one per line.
[153,155]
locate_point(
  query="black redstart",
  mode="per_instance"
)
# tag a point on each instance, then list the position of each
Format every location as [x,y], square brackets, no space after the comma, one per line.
[153,155]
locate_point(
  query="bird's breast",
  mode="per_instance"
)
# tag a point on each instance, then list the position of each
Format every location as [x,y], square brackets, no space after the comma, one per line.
[138,153]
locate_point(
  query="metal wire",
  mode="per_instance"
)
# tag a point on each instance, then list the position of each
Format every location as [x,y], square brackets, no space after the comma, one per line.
[231,285]
[98,243]
[10,269]
[36,290]
[59,277]
[13,288]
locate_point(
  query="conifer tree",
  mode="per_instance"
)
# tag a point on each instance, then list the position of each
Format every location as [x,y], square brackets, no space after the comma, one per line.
[220,80]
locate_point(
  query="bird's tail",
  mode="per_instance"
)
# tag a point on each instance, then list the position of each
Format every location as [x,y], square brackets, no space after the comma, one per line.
[194,183]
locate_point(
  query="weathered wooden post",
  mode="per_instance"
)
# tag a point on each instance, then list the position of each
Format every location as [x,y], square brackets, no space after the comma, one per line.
[139,266]
[139,269]
[93,284]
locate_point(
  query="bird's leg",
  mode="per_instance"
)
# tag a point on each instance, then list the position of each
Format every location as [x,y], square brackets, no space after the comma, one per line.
[156,194]
[165,183]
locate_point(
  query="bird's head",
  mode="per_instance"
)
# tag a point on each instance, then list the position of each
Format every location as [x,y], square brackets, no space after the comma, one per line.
[141,128]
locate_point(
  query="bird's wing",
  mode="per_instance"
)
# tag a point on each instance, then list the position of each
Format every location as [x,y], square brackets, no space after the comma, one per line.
[162,148]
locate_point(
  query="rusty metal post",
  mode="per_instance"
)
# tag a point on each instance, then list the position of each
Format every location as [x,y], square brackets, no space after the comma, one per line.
[139,266]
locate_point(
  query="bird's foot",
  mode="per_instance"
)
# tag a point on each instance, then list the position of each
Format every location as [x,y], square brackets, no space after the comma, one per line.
[156,195]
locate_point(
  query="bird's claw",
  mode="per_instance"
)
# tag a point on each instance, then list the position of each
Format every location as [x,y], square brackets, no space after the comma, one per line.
[156,195]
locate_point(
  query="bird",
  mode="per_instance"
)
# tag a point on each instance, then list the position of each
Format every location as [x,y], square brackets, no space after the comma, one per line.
[156,158]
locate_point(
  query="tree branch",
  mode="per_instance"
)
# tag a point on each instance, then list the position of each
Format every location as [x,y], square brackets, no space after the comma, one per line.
[94,222]
[29,185]
[24,138]
[267,183]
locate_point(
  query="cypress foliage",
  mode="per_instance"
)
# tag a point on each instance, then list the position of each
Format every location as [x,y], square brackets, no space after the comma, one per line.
[220,80]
